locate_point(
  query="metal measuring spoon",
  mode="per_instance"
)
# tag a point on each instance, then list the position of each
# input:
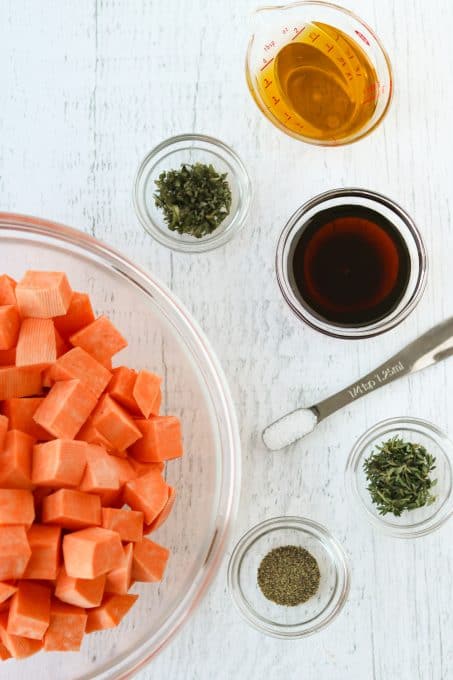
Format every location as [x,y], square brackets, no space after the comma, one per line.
[428,349]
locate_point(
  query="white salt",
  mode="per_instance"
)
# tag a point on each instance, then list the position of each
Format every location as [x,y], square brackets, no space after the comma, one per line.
[288,429]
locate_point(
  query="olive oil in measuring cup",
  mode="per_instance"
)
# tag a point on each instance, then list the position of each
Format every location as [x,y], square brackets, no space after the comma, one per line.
[318,82]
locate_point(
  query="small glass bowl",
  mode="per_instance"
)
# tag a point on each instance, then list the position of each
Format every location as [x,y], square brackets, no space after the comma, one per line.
[412,523]
[169,155]
[392,212]
[277,620]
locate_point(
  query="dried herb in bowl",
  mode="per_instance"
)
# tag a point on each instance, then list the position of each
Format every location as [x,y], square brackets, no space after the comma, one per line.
[288,575]
[195,199]
[399,476]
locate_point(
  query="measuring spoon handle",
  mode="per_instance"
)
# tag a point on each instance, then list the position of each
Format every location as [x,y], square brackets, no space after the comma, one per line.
[430,348]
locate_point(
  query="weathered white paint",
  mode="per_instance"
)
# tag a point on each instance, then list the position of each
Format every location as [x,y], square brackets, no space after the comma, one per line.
[87,88]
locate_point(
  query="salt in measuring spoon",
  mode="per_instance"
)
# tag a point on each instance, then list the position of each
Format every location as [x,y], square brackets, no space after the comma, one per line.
[430,348]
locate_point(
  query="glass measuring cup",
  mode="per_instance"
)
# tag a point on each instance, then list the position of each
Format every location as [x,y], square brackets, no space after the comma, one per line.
[342,73]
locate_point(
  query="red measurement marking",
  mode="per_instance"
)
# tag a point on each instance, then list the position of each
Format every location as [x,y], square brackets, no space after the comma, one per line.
[266,63]
[287,116]
[362,37]
[314,36]
[298,32]
[267,83]
[329,47]
[275,100]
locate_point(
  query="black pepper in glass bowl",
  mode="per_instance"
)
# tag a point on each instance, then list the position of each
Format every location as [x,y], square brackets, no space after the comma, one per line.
[288,577]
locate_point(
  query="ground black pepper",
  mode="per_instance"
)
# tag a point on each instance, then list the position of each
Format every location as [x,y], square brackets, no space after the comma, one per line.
[289,575]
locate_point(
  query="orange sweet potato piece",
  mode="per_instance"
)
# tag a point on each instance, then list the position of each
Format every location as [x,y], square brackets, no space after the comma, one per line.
[29,613]
[147,394]
[114,423]
[37,345]
[7,290]
[79,315]
[80,592]
[16,507]
[121,388]
[66,627]
[20,381]
[79,365]
[59,463]
[112,610]
[4,654]
[42,295]
[101,475]
[3,430]
[149,561]
[65,409]
[147,494]
[8,357]
[91,552]
[6,591]
[123,468]
[45,544]
[119,580]
[128,523]
[15,460]
[9,326]
[20,413]
[164,513]
[15,552]
[143,468]
[71,509]
[161,439]
[18,647]
[100,339]
[88,433]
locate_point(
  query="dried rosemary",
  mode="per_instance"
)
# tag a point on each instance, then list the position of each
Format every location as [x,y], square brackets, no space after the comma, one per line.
[398,476]
[195,199]
[288,575]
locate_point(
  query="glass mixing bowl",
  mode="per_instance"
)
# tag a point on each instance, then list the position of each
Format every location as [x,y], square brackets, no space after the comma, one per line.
[163,338]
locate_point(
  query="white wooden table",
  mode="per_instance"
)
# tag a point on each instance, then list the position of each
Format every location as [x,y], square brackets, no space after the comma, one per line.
[87,88]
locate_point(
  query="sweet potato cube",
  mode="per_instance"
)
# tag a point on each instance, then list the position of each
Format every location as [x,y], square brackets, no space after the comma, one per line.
[143,468]
[123,468]
[14,552]
[115,424]
[149,562]
[66,627]
[9,326]
[45,544]
[79,314]
[20,381]
[100,339]
[8,357]
[15,461]
[147,393]
[128,523]
[59,463]
[3,430]
[100,474]
[164,513]
[71,509]
[147,494]
[121,388]
[6,591]
[91,552]
[37,345]
[119,580]
[65,409]
[161,439]
[7,290]
[4,654]
[42,295]
[18,647]
[80,592]
[79,365]
[29,613]
[16,507]
[112,610]
[20,413]
[89,434]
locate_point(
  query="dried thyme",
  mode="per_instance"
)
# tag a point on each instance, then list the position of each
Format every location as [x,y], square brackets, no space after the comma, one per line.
[288,575]
[194,199]
[399,476]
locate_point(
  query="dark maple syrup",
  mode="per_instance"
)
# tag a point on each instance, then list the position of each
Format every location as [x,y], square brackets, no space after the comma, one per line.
[350,265]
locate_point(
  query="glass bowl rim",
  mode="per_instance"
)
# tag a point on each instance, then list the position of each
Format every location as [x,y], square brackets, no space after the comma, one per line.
[171,240]
[62,236]
[323,535]
[303,312]
[379,429]
[361,22]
